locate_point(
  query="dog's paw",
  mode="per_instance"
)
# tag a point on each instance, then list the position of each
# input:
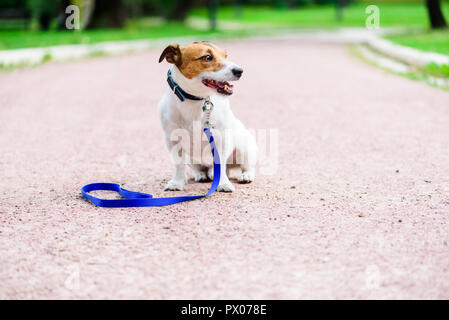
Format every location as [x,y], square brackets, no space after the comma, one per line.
[246,177]
[226,187]
[201,177]
[210,173]
[174,185]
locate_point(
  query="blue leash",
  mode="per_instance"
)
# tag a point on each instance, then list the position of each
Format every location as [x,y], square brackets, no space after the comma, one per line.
[139,199]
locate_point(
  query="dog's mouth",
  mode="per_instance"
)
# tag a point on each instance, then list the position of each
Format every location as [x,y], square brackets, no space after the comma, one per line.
[222,87]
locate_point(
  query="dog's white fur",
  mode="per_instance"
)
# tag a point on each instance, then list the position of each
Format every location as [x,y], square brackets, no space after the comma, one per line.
[231,136]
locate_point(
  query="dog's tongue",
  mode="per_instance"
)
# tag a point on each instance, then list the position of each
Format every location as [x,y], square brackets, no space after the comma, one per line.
[222,87]
[224,84]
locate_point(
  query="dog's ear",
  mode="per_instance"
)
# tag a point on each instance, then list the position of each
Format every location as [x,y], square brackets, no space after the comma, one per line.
[172,54]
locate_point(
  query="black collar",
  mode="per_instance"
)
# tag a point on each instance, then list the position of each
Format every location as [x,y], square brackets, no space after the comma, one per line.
[182,95]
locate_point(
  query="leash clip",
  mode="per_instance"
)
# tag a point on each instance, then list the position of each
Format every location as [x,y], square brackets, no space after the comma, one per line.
[207,109]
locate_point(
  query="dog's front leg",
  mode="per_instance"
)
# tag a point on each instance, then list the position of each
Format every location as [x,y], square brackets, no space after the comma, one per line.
[225,185]
[178,180]
[225,149]
[179,177]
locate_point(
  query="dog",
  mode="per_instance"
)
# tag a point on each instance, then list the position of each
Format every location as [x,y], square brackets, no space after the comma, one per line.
[202,71]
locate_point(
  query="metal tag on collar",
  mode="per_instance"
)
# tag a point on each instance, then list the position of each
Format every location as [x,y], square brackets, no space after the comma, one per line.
[207,109]
[208,105]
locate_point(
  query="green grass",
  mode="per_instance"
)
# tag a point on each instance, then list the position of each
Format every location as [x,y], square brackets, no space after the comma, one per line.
[438,70]
[28,39]
[391,14]
[436,41]
[427,74]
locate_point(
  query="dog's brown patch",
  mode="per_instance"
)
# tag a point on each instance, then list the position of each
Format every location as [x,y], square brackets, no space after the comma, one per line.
[189,59]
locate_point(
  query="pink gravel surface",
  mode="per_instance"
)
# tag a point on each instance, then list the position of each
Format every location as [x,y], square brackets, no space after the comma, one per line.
[357,208]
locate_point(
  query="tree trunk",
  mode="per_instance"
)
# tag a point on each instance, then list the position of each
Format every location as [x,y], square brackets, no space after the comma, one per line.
[45,20]
[238,9]
[62,16]
[180,10]
[108,14]
[339,10]
[435,14]
[213,5]
[88,11]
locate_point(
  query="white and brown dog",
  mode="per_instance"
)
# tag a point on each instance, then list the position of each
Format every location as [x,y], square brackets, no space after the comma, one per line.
[201,70]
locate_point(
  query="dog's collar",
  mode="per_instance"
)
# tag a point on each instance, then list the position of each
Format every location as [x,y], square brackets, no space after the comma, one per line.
[182,95]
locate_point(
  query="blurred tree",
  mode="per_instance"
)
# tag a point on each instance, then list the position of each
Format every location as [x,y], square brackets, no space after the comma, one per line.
[213,6]
[179,10]
[340,5]
[44,11]
[135,7]
[339,10]
[280,4]
[62,14]
[301,3]
[320,2]
[238,8]
[109,13]
[176,10]
[16,13]
[87,8]
[8,4]
[435,14]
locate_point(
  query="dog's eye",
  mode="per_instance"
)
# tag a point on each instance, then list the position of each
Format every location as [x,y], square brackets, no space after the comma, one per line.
[207,58]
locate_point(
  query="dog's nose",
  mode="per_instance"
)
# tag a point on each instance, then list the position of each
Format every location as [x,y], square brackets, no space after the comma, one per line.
[237,72]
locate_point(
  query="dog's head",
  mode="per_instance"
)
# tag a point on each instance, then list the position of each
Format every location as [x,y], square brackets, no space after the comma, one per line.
[203,64]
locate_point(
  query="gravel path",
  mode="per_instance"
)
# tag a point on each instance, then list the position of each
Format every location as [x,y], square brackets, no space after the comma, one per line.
[357,208]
